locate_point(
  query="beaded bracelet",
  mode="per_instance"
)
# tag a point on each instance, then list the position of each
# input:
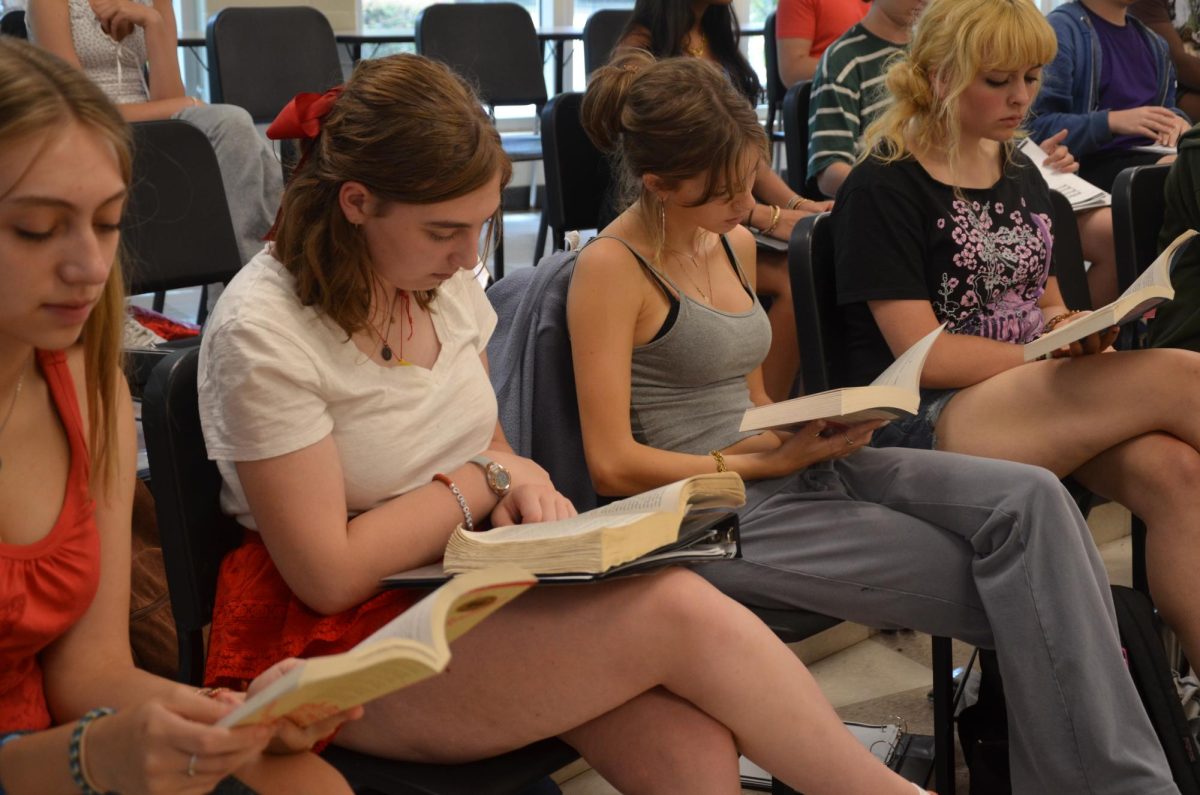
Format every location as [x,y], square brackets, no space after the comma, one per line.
[1053,322]
[75,751]
[468,522]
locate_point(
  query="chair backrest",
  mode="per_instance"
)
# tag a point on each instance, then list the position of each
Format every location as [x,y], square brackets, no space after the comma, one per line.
[1068,255]
[819,324]
[493,45]
[795,134]
[195,533]
[1138,207]
[578,177]
[775,86]
[13,24]
[176,230]
[532,371]
[259,58]
[601,33]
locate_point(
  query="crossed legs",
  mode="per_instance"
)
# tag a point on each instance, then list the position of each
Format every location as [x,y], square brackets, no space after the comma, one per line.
[1127,424]
[651,670]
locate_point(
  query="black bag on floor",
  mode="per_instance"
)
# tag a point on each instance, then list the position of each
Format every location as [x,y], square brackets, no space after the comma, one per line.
[983,732]
[1147,659]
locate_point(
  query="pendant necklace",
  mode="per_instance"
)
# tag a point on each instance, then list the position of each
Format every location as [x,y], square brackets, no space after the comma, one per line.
[385,352]
[708,272]
[697,50]
[12,406]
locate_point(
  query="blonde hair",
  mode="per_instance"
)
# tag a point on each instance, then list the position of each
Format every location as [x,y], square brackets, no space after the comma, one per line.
[953,42]
[40,94]
[411,131]
[676,118]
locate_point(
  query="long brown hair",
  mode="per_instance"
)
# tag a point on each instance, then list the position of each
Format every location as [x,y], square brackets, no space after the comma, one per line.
[411,131]
[40,93]
[677,118]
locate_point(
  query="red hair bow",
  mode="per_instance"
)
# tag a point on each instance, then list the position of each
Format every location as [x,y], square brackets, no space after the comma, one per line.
[301,118]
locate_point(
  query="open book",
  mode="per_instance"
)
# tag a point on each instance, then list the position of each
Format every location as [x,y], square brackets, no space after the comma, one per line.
[1149,290]
[599,539]
[413,646]
[895,393]
[1082,194]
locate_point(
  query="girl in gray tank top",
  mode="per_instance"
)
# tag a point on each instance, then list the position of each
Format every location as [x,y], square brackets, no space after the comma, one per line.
[991,552]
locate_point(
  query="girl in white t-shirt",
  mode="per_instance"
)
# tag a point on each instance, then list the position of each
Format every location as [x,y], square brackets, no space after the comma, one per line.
[344,391]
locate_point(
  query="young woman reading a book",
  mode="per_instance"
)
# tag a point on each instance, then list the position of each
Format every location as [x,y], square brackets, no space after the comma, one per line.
[708,30]
[345,395]
[667,339]
[67,450]
[944,221]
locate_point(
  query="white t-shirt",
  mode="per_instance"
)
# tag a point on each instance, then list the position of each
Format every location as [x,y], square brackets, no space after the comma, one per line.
[276,376]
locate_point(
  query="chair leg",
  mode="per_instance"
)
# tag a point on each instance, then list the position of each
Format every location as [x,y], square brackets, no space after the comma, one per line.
[943,715]
[1137,531]
[539,248]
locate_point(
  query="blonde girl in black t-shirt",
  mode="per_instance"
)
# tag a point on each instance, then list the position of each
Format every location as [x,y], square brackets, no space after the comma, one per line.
[941,223]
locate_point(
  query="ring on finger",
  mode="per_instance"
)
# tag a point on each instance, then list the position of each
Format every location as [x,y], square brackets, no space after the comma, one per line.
[849,441]
[191,768]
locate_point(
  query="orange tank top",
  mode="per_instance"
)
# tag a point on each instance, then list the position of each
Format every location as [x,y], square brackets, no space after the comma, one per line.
[46,586]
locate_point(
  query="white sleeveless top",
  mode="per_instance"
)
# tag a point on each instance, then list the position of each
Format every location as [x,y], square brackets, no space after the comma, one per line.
[114,66]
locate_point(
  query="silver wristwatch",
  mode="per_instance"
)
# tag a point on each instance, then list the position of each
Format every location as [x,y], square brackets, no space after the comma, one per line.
[498,479]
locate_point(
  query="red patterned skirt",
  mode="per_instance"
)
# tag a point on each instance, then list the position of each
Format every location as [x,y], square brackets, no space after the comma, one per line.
[258,621]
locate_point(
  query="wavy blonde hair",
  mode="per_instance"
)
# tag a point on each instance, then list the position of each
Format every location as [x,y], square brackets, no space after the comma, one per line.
[40,94]
[953,41]
[411,131]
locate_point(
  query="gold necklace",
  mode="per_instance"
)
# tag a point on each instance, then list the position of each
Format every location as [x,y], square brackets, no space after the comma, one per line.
[697,50]
[385,351]
[707,272]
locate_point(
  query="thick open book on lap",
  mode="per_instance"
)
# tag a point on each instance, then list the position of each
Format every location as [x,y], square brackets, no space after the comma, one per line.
[1082,194]
[413,646]
[895,393]
[704,536]
[597,540]
[1148,291]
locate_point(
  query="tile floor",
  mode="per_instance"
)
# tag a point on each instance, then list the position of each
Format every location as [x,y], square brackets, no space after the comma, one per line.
[868,677]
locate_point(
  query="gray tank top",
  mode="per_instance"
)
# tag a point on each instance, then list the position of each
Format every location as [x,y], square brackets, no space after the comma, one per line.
[688,390]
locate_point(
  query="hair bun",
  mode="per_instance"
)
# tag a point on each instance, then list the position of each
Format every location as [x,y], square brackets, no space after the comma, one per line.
[608,89]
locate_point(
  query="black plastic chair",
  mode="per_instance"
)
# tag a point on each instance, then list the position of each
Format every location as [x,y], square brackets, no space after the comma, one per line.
[176,229]
[196,535]
[601,33]
[1068,255]
[259,58]
[13,24]
[495,47]
[775,86]
[795,136]
[578,177]
[1137,208]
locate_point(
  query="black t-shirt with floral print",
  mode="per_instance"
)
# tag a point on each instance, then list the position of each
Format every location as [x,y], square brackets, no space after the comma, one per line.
[979,256]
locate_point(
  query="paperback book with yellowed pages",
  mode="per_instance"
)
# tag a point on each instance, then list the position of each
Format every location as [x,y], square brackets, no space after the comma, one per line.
[895,393]
[600,539]
[1148,291]
[413,646]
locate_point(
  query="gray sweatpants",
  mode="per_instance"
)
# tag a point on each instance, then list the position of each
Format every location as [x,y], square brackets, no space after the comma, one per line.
[990,552]
[252,175]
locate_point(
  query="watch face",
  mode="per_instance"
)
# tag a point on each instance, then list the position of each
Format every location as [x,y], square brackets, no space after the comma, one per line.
[500,478]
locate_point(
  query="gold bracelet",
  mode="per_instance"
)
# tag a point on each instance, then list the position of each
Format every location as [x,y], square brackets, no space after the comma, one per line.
[720,459]
[775,212]
[1053,322]
[795,201]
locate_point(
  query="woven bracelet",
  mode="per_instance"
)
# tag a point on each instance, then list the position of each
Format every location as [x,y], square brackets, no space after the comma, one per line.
[75,751]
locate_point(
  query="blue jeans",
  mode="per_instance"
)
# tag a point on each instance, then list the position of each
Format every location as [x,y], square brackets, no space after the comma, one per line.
[916,432]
